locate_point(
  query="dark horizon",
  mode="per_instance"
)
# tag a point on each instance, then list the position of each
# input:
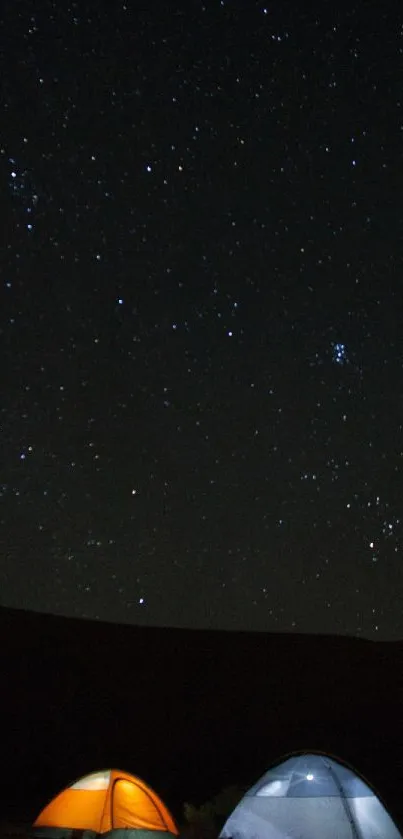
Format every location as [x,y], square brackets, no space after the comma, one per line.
[15,612]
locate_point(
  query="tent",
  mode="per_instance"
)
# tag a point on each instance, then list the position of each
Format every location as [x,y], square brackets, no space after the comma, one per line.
[108,803]
[310,796]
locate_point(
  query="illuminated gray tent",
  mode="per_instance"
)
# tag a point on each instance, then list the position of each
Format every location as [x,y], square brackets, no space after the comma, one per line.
[310,796]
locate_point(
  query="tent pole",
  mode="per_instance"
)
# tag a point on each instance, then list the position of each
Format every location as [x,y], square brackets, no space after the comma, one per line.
[354,828]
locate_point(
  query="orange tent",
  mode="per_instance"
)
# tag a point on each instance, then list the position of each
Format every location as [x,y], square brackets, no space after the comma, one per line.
[106,801]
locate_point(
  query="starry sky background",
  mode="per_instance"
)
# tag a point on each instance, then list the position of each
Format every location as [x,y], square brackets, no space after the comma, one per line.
[201,313]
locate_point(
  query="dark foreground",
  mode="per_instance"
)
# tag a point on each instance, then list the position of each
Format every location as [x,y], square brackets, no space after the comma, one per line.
[189,711]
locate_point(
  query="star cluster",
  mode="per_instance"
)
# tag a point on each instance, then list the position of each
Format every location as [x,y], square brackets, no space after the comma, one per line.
[201,412]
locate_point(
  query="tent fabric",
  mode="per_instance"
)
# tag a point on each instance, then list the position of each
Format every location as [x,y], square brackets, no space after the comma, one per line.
[139,833]
[107,801]
[118,833]
[310,796]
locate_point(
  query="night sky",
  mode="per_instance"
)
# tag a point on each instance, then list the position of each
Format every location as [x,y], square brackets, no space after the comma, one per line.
[201,313]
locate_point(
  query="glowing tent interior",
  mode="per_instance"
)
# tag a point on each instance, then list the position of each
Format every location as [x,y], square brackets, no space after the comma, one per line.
[310,796]
[107,802]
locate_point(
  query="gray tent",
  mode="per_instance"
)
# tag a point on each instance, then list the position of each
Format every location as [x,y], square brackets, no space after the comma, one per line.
[310,796]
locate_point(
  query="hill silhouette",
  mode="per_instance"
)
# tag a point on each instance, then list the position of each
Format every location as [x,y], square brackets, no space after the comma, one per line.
[190,711]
